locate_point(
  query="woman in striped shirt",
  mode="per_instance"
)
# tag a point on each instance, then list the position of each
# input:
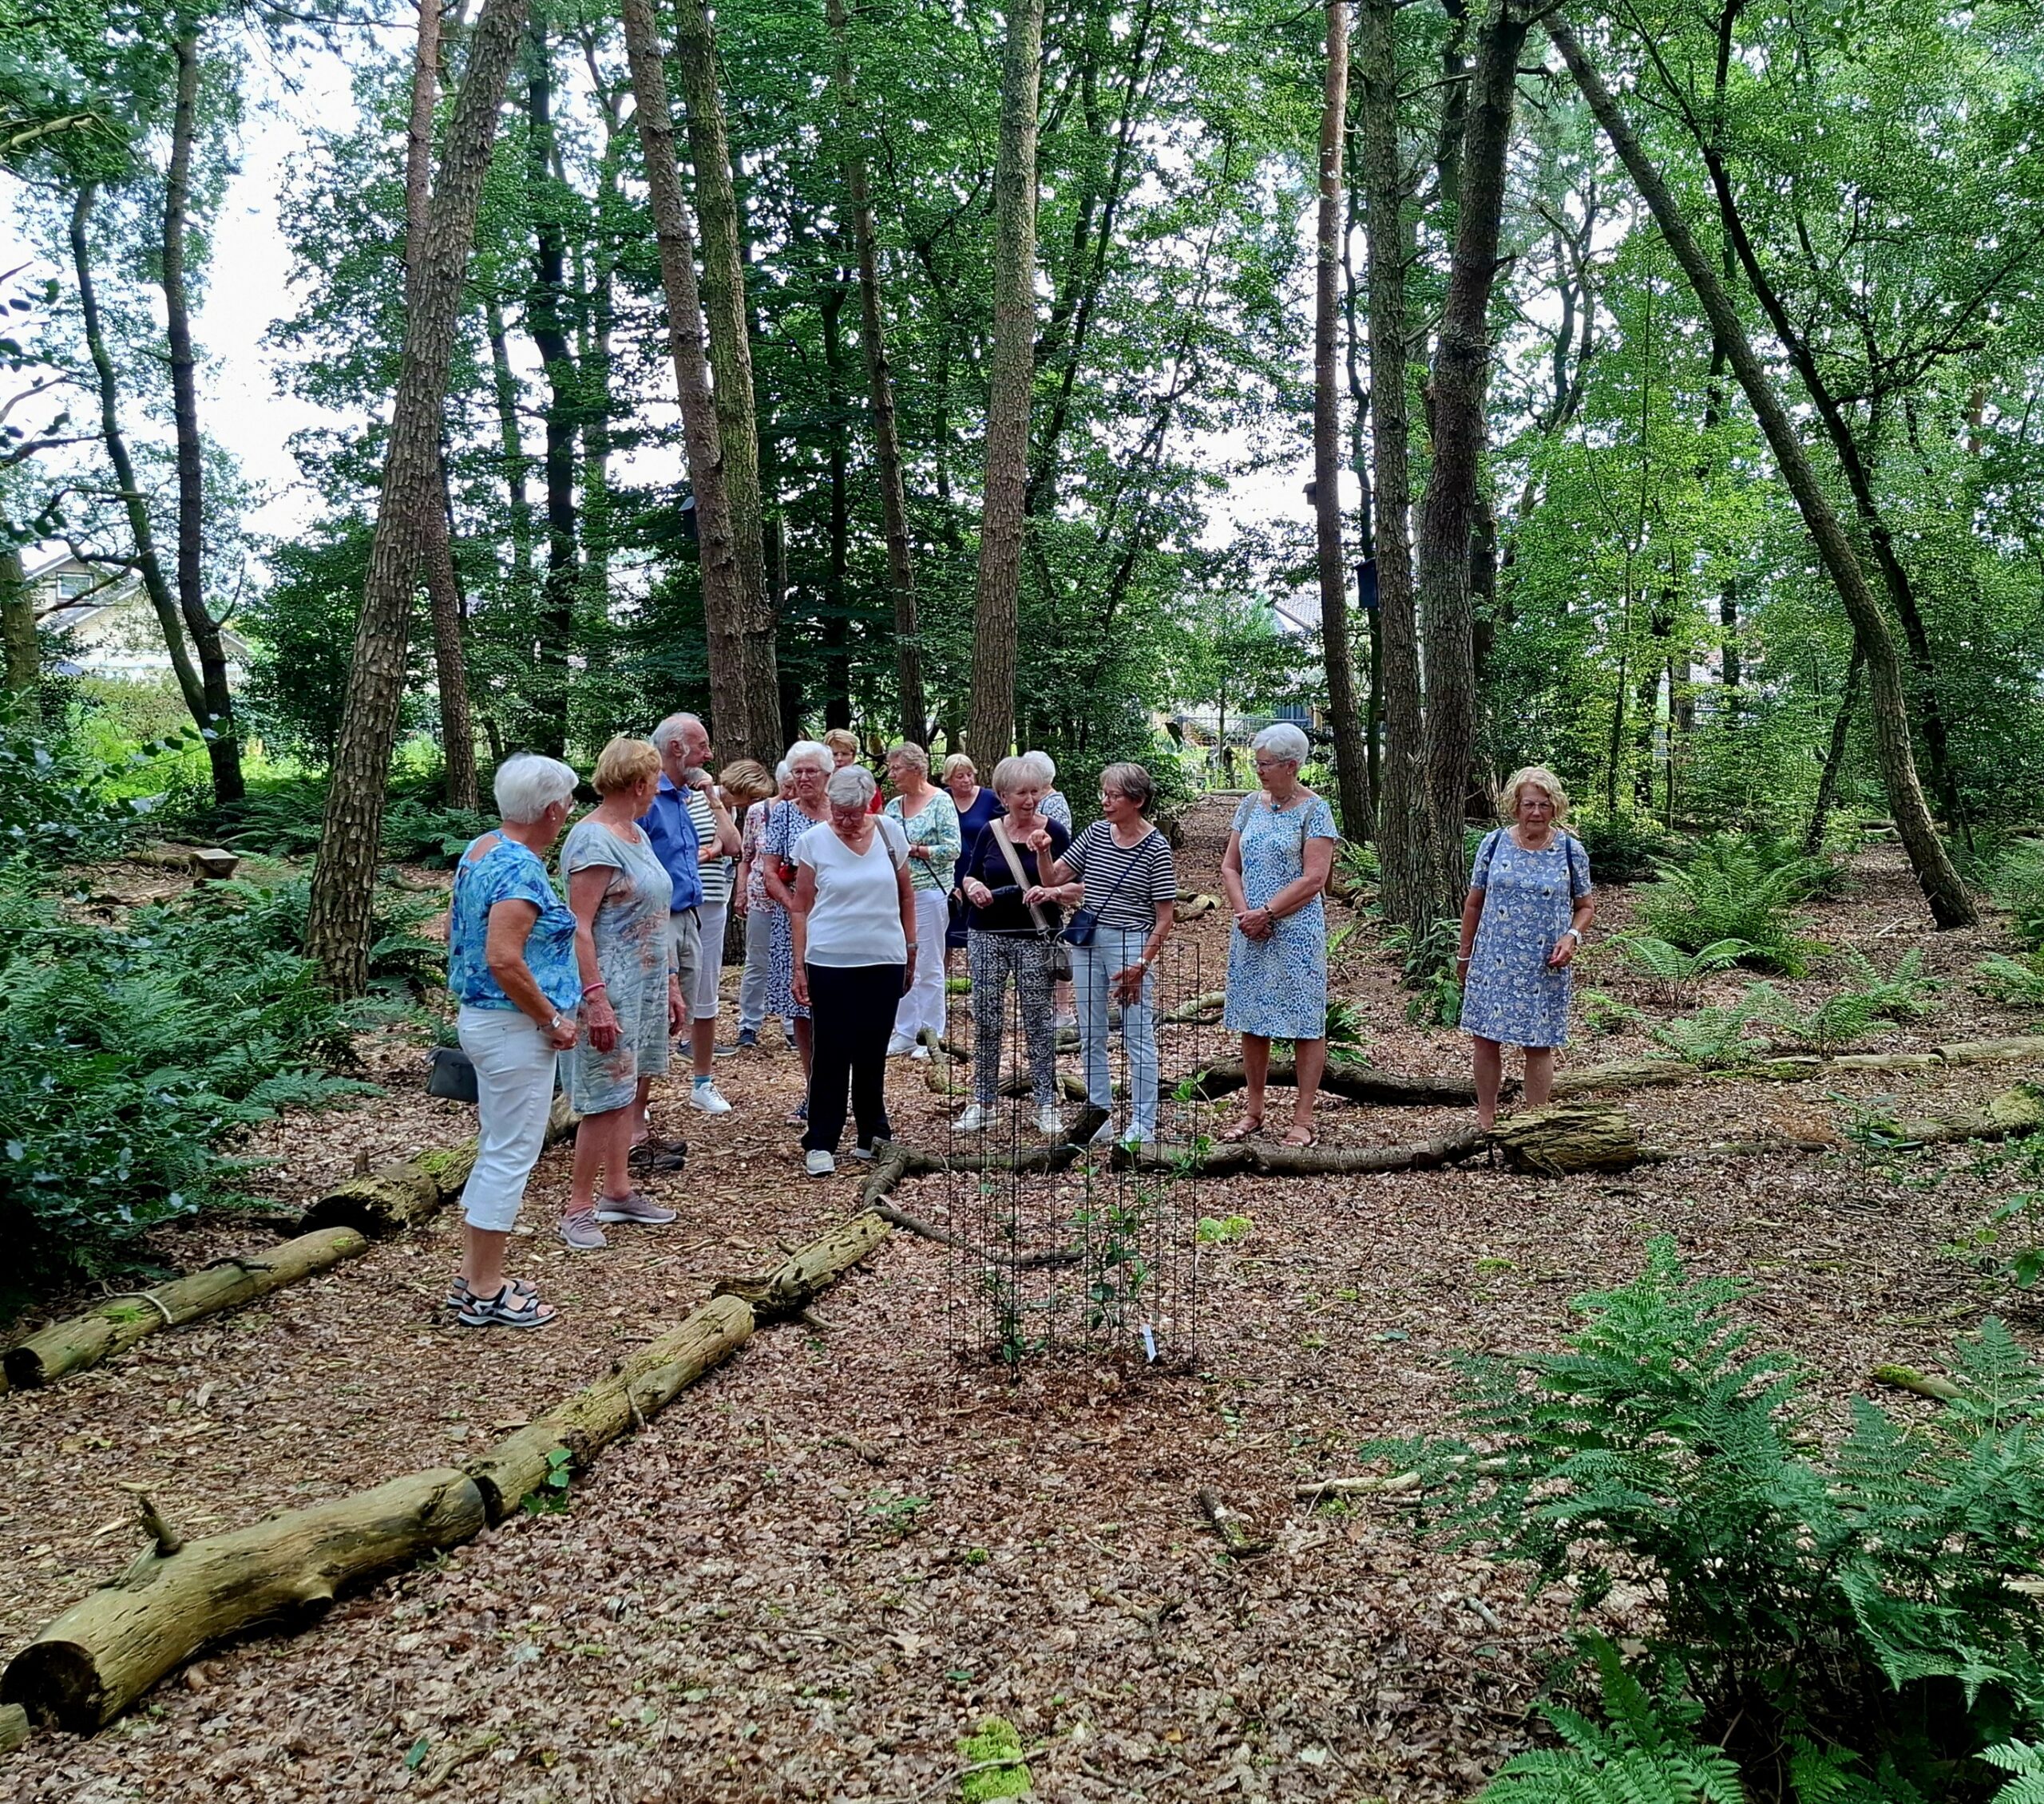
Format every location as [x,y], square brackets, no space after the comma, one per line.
[1119,869]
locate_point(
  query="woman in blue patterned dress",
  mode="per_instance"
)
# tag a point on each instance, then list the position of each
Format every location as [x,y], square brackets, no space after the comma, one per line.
[1529,906]
[1281,850]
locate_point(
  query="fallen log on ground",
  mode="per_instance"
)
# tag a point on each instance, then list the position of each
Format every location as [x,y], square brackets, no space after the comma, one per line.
[2016,1110]
[13,1727]
[1357,1083]
[1269,1159]
[1623,1074]
[1919,1384]
[1230,1525]
[395,1197]
[1204,1008]
[785,1292]
[640,1387]
[100,1655]
[1186,909]
[1567,1137]
[81,1341]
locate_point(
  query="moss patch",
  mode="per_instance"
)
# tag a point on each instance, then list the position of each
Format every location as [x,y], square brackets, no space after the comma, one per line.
[996,1740]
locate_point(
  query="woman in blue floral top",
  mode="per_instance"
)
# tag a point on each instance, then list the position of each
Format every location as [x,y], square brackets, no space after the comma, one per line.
[511,966]
[1529,906]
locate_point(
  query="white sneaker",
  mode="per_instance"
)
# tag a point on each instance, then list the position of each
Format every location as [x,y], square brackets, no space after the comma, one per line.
[899,1046]
[819,1163]
[1138,1142]
[1049,1119]
[975,1120]
[919,1050]
[705,1097]
[1104,1134]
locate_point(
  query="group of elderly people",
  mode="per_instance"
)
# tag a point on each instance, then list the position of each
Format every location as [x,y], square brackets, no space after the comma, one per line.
[850,907]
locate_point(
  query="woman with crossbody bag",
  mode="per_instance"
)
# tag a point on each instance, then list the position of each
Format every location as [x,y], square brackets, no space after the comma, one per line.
[1119,871]
[1007,936]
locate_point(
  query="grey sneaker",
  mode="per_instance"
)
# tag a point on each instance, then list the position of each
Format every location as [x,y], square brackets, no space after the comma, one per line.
[633,1208]
[580,1233]
[818,1163]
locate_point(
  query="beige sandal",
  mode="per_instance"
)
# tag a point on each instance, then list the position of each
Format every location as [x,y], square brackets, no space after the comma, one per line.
[1246,1129]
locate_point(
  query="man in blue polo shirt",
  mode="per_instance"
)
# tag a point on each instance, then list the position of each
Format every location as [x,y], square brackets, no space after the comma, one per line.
[695,838]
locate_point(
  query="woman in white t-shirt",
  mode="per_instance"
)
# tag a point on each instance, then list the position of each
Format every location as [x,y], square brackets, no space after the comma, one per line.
[854,920]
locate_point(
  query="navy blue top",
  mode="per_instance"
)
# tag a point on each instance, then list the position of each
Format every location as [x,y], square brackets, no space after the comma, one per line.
[676,843]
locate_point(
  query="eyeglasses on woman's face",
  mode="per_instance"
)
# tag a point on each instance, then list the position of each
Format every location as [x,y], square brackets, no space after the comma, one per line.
[1269,761]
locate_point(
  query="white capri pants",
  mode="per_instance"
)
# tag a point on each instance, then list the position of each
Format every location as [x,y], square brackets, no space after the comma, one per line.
[703,1004]
[922,1006]
[514,1095]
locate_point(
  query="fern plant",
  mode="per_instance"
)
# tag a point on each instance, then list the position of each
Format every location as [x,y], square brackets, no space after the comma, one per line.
[1714,1037]
[1729,891]
[1874,1600]
[1904,995]
[2019,982]
[1839,1021]
[1677,972]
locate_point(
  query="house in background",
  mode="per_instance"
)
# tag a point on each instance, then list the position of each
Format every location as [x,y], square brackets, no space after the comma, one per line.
[109,628]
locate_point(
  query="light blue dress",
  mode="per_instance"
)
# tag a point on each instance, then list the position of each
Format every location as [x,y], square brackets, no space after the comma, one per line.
[633,955]
[1513,995]
[1278,986]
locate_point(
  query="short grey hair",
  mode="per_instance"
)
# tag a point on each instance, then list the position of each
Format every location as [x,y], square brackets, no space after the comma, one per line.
[528,785]
[1040,763]
[1011,771]
[1132,781]
[782,773]
[911,754]
[670,730]
[809,751]
[851,785]
[1283,740]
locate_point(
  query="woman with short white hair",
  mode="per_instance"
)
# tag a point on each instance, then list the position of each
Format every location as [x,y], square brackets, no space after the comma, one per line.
[1054,806]
[1012,921]
[1281,851]
[855,952]
[809,766]
[511,966]
[928,820]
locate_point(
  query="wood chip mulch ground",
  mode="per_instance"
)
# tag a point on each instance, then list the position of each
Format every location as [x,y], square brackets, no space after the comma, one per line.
[824,1565]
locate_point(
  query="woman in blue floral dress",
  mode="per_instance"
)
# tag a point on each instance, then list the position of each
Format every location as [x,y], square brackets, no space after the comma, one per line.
[1529,906]
[1280,851]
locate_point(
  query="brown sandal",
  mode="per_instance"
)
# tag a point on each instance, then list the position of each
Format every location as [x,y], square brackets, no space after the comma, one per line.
[1247,1128]
[1294,1138]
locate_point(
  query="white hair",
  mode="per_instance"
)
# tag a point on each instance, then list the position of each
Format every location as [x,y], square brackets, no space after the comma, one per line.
[1283,740]
[809,751]
[851,786]
[1040,761]
[528,785]
[782,774]
[671,730]
[1025,768]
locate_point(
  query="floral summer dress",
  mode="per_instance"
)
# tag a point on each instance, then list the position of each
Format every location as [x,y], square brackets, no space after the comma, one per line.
[1513,995]
[1277,987]
[633,956]
[784,826]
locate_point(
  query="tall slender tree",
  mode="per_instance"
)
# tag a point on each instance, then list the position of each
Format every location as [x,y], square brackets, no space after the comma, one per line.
[1337,652]
[338,925]
[1951,905]
[996,620]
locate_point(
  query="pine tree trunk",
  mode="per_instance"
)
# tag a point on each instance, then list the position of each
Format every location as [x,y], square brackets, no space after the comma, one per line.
[458,736]
[1406,831]
[344,884]
[880,382]
[222,748]
[1950,905]
[1834,757]
[731,361]
[1338,653]
[504,388]
[23,667]
[730,705]
[1447,512]
[837,625]
[997,622]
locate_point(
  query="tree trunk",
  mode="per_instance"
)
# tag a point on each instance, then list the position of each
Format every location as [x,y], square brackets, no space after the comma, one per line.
[838,623]
[555,636]
[997,622]
[913,706]
[731,361]
[344,884]
[1358,462]
[148,563]
[457,737]
[1338,653]
[1406,832]
[723,611]
[504,388]
[223,747]
[1834,757]
[81,1341]
[1950,905]
[1447,512]
[23,668]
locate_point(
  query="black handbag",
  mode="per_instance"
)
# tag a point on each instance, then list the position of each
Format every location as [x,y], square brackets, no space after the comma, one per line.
[1082,924]
[450,1073]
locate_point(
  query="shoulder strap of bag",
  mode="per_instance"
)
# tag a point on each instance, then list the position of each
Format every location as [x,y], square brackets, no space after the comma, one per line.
[1108,834]
[1015,867]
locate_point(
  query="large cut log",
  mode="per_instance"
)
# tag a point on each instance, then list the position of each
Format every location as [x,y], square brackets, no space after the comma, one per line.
[1623,1074]
[100,1655]
[399,1196]
[1567,1137]
[640,1387]
[79,1342]
[788,1290]
[1357,1083]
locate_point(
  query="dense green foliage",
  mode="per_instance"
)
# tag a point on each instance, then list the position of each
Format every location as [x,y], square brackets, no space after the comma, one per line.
[1864,1604]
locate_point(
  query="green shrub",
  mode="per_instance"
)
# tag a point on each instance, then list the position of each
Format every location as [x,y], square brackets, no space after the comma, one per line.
[283,817]
[2016,881]
[2019,982]
[1624,847]
[1862,1607]
[129,1058]
[1729,891]
[57,799]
